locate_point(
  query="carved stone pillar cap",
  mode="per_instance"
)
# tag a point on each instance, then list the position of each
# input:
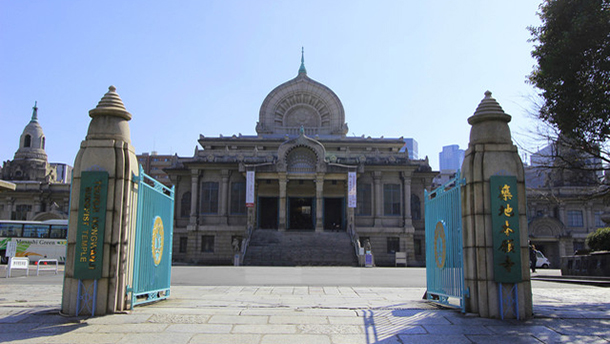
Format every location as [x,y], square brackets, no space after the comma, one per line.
[111,105]
[489,123]
[489,109]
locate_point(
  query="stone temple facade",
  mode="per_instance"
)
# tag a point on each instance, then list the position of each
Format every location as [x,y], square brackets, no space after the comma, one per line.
[42,190]
[301,158]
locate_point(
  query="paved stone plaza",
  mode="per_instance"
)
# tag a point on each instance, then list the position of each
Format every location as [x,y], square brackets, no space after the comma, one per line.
[568,313]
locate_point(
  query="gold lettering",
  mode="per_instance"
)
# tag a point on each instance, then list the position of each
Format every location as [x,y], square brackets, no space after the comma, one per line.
[505,193]
[506,229]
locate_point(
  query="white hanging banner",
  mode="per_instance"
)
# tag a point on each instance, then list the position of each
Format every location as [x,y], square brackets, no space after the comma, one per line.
[351,189]
[249,189]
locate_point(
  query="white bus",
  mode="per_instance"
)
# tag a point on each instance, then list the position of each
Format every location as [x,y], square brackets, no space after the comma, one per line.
[35,239]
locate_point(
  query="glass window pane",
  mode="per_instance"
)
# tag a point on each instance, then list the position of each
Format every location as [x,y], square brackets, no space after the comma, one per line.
[238,198]
[36,231]
[209,197]
[391,199]
[10,230]
[363,199]
[575,218]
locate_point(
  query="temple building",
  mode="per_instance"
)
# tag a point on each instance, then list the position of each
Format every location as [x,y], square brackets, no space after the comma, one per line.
[41,189]
[565,200]
[301,177]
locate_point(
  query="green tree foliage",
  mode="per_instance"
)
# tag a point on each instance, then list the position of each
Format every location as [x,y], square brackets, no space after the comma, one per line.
[599,240]
[572,48]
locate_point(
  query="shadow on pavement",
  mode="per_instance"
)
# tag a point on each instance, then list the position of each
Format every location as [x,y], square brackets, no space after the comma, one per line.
[550,323]
[26,325]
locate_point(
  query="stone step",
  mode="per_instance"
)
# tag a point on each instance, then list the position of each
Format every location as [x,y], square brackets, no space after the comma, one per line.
[274,248]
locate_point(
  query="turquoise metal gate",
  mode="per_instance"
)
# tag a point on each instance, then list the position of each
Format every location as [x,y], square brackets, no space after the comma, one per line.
[153,242]
[444,257]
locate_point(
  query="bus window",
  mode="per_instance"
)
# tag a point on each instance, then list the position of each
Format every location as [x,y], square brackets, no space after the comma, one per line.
[59,232]
[10,230]
[36,231]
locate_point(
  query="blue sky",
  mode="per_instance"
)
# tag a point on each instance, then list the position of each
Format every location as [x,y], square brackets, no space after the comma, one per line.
[183,68]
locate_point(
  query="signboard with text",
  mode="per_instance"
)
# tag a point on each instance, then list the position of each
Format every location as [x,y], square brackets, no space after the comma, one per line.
[11,249]
[91,225]
[505,228]
[351,189]
[249,189]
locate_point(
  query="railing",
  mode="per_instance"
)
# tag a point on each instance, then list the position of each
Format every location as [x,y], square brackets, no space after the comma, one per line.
[355,242]
[18,263]
[44,266]
[306,131]
[244,245]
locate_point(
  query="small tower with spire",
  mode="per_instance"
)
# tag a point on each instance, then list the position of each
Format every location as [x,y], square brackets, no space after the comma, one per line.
[30,161]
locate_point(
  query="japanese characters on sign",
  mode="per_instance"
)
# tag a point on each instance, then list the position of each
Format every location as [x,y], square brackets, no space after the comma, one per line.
[249,189]
[351,189]
[505,228]
[91,225]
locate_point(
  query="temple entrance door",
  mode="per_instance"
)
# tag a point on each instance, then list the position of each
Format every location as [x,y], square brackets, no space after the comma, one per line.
[334,214]
[301,213]
[267,212]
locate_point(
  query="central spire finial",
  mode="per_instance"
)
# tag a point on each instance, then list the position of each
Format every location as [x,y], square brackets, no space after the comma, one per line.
[35,112]
[302,69]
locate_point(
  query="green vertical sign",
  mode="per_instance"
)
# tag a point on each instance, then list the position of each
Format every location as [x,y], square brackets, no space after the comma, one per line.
[91,224]
[505,228]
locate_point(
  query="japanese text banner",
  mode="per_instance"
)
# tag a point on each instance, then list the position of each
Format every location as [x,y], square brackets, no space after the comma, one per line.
[505,229]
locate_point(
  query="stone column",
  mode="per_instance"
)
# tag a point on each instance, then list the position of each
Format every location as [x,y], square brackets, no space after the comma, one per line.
[491,152]
[589,221]
[562,214]
[37,205]
[194,192]
[319,203]
[409,230]
[377,198]
[224,195]
[282,208]
[408,217]
[10,207]
[107,147]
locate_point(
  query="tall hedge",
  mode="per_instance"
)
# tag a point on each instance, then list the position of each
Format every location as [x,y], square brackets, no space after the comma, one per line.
[599,240]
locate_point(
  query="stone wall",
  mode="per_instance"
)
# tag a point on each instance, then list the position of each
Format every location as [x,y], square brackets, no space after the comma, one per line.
[594,264]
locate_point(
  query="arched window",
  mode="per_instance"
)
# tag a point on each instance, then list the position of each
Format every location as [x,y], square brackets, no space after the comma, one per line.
[185,204]
[43,141]
[27,141]
[301,160]
[415,207]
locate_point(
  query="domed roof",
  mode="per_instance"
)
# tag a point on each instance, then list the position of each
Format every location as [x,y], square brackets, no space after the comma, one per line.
[302,102]
[32,140]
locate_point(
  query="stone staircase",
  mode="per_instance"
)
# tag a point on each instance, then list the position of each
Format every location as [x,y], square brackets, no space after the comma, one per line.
[273,248]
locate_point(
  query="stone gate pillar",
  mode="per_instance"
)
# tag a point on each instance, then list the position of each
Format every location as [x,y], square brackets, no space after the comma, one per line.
[102,223]
[491,153]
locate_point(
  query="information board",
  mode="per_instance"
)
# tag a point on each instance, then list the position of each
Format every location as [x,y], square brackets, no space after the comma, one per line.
[505,227]
[249,189]
[11,249]
[351,189]
[91,225]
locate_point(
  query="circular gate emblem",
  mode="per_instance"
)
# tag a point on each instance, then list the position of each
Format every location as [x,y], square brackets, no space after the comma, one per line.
[440,245]
[157,240]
